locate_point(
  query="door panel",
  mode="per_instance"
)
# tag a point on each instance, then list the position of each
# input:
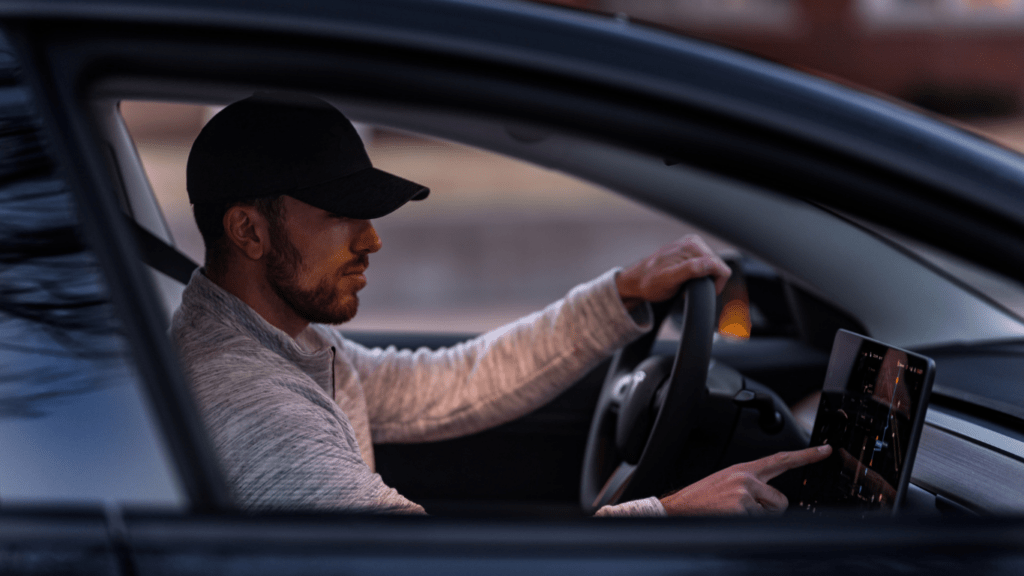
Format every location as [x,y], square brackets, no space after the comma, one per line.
[47,542]
[322,544]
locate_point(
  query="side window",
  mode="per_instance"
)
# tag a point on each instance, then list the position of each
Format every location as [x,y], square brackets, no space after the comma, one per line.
[74,427]
[497,238]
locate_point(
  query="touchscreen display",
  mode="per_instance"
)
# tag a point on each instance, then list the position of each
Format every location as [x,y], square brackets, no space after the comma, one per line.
[871,412]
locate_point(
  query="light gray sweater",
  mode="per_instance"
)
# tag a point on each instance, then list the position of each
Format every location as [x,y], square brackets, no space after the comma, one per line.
[293,421]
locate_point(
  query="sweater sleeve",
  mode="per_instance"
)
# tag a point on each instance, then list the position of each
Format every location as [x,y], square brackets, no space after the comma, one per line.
[427,395]
[646,507]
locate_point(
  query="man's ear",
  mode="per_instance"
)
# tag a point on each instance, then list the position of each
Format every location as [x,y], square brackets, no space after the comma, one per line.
[247,230]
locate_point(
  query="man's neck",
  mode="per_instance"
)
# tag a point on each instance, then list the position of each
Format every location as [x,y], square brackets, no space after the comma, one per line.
[251,287]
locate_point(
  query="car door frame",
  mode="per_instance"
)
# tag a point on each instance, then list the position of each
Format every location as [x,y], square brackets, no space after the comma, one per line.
[212,533]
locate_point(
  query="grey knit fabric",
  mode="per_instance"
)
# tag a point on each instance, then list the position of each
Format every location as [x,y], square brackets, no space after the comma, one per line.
[293,421]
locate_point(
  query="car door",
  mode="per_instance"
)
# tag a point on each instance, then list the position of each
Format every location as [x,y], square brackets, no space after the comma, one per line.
[204,533]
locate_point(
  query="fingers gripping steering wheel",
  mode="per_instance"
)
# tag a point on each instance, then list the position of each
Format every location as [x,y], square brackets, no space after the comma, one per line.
[648,404]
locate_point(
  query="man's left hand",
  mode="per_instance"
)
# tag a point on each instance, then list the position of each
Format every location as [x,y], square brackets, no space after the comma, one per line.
[659,276]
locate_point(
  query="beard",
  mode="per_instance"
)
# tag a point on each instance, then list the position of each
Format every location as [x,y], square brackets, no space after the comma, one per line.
[325,303]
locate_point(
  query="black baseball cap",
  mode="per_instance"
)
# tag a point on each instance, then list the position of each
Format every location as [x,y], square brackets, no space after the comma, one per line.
[273,144]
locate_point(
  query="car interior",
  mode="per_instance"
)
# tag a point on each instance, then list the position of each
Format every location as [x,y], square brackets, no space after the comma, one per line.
[806,270]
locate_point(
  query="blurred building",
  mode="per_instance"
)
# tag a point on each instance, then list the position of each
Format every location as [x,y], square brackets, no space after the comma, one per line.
[962,58]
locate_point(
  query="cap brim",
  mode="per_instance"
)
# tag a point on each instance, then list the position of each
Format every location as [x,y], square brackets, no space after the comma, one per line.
[365,195]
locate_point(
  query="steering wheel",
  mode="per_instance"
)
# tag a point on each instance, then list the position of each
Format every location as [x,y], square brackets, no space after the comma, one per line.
[648,404]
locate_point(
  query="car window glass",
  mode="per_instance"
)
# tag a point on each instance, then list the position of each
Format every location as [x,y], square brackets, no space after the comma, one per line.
[73,424]
[497,238]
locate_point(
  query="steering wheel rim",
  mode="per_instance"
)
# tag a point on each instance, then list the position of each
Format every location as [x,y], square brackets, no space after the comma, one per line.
[620,454]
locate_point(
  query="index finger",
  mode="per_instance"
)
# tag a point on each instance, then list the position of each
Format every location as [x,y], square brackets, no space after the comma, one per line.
[700,266]
[697,249]
[771,466]
[693,245]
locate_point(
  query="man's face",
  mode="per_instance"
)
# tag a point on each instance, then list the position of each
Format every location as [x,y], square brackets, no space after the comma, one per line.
[317,260]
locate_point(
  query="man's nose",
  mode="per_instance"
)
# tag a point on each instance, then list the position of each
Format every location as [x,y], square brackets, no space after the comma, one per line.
[369,241]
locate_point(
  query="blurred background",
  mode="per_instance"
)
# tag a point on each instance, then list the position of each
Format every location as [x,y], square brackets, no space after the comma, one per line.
[499,238]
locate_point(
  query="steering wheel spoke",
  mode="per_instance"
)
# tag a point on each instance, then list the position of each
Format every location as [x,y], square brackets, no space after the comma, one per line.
[647,404]
[616,484]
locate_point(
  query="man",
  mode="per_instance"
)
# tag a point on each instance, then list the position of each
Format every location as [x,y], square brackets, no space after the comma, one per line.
[283,194]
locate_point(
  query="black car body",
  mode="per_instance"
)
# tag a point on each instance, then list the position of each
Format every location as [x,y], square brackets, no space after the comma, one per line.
[108,469]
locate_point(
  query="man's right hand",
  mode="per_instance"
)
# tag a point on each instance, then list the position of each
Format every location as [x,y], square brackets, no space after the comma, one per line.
[742,488]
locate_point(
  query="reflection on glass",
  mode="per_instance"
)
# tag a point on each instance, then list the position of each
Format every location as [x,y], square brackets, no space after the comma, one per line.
[54,315]
[73,425]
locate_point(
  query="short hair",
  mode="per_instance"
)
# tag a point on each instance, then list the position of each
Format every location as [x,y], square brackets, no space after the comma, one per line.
[210,220]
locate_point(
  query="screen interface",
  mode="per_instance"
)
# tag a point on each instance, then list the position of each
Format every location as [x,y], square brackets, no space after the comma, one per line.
[870,412]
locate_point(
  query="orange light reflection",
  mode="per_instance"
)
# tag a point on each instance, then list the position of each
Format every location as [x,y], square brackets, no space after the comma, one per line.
[734,322]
